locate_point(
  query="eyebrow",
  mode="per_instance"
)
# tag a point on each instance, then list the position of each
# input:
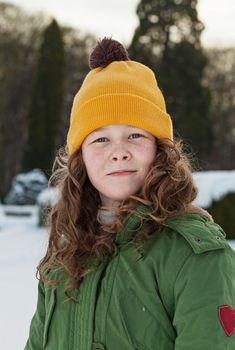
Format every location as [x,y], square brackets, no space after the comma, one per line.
[100,129]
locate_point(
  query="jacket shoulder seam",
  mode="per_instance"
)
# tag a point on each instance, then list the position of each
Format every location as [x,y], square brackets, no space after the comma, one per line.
[202,237]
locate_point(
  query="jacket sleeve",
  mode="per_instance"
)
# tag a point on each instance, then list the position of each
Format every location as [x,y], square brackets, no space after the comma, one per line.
[35,340]
[205,284]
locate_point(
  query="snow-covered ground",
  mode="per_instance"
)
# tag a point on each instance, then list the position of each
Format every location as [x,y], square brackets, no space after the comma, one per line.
[213,185]
[22,245]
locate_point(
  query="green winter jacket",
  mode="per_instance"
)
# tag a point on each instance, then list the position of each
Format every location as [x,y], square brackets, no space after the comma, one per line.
[180,295]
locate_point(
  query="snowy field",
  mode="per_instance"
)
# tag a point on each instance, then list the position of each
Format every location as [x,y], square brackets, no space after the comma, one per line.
[22,245]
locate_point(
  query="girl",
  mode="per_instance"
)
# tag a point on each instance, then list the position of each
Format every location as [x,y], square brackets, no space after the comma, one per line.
[131,263]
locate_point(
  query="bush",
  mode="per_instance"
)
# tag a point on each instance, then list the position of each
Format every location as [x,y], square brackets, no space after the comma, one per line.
[26,187]
[223,212]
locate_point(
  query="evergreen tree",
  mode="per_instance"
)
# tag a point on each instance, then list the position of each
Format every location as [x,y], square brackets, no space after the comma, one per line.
[47,98]
[168,40]
[20,37]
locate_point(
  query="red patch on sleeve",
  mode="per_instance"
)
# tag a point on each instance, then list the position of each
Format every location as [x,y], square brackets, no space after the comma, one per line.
[227,319]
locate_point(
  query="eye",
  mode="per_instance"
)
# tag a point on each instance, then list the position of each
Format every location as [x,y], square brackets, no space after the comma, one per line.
[100,139]
[136,135]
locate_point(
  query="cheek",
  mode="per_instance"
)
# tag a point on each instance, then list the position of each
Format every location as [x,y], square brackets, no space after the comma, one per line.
[148,155]
[92,162]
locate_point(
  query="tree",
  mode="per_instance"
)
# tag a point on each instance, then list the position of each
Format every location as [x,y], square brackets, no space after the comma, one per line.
[47,101]
[19,40]
[78,45]
[168,40]
[220,75]
[21,37]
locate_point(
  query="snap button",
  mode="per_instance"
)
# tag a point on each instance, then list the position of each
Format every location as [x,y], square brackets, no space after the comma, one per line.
[98,346]
[218,238]
[198,240]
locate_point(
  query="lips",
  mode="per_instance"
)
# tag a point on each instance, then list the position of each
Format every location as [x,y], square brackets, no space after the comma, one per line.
[123,171]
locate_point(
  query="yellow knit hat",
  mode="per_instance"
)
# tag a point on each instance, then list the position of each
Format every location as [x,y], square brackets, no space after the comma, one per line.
[118,91]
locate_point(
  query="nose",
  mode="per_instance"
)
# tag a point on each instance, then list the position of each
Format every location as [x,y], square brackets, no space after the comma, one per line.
[120,154]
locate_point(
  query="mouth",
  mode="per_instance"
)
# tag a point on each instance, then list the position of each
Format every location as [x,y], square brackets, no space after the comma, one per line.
[122,172]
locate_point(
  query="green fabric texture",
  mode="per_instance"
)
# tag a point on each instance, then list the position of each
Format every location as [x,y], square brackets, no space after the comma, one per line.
[166,299]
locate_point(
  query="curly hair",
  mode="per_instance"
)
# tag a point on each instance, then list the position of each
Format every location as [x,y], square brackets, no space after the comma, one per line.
[77,235]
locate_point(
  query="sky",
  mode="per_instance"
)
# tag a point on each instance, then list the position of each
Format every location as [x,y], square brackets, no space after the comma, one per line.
[117,18]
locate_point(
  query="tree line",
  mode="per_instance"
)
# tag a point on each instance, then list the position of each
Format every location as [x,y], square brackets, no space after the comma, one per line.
[43,64]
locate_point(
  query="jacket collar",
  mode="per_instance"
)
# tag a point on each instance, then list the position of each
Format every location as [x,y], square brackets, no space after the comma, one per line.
[190,225]
[132,223]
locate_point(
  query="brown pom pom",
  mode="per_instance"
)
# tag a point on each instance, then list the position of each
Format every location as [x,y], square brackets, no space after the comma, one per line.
[106,51]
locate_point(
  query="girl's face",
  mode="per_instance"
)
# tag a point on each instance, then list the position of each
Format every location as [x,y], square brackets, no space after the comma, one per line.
[117,159]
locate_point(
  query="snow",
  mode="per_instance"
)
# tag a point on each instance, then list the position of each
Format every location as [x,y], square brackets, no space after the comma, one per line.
[22,245]
[49,196]
[213,185]
[9,215]
[36,175]
[26,187]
